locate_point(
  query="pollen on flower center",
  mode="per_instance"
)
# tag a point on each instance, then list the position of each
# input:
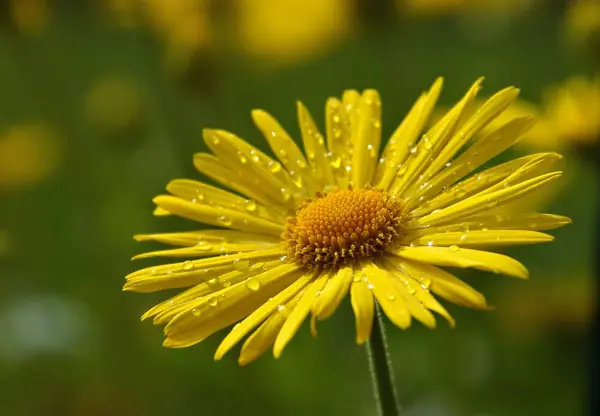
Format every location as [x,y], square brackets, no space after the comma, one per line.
[342,227]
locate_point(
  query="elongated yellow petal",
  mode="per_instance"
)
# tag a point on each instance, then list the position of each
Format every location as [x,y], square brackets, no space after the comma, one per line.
[404,138]
[265,335]
[339,141]
[207,237]
[479,153]
[366,139]
[363,306]
[260,314]
[444,284]
[332,294]
[298,314]
[491,109]
[250,162]
[535,221]
[316,152]
[454,256]
[391,300]
[249,186]
[286,150]
[165,311]
[195,191]
[419,206]
[203,251]
[211,313]
[191,272]
[489,238]
[218,216]
[480,203]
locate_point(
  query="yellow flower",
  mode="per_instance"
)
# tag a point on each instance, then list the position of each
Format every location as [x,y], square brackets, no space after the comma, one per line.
[301,233]
[30,16]
[582,23]
[28,154]
[288,31]
[571,110]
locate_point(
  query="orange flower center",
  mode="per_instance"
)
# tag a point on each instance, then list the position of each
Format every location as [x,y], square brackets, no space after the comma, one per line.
[343,227]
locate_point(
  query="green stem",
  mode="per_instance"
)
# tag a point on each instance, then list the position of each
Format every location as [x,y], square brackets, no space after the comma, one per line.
[381,369]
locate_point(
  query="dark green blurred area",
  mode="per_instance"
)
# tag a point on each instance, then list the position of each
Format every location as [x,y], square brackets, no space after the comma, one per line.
[120,125]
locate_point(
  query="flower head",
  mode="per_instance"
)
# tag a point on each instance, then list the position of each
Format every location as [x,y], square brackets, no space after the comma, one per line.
[297,234]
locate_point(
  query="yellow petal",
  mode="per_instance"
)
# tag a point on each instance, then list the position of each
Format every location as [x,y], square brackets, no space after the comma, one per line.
[491,109]
[480,203]
[335,290]
[419,206]
[191,272]
[204,250]
[444,284]
[265,335]
[366,139]
[206,237]
[285,149]
[298,314]
[535,221]
[476,155]
[405,136]
[219,216]
[249,186]
[249,162]
[338,141]
[262,313]
[391,300]
[454,256]
[211,313]
[202,193]
[363,307]
[490,238]
[314,145]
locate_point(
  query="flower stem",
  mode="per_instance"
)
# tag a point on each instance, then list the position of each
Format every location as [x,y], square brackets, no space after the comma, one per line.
[381,368]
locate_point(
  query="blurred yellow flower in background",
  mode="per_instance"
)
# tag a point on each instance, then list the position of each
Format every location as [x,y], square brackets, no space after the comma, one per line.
[292,30]
[181,25]
[28,154]
[29,16]
[572,110]
[582,23]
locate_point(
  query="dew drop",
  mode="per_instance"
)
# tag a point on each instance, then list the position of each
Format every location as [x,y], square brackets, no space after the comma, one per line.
[240,264]
[242,157]
[280,308]
[253,284]
[391,297]
[273,166]
[370,286]
[453,248]
[285,194]
[196,312]
[187,265]
[401,170]
[213,301]
[224,221]
[283,258]
[203,246]
[336,162]
[250,206]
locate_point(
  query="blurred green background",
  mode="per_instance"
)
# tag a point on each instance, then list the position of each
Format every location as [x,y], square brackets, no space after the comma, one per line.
[103,102]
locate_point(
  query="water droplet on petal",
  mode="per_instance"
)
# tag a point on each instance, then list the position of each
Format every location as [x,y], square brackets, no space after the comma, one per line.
[213,301]
[250,206]
[203,246]
[187,265]
[240,264]
[391,297]
[253,284]
[242,157]
[274,167]
[224,221]
[196,312]
[453,248]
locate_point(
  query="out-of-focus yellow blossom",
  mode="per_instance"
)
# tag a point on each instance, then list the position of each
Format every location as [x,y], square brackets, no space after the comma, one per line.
[549,306]
[572,110]
[29,16]
[182,25]
[28,154]
[288,31]
[440,7]
[582,22]
[113,104]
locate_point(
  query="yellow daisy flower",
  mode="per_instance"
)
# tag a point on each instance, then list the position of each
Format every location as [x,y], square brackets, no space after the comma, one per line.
[300,233]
